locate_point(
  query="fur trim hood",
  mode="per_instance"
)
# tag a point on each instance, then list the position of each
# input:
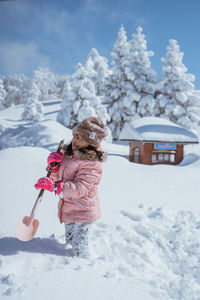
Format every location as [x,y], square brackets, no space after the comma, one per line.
[88,153]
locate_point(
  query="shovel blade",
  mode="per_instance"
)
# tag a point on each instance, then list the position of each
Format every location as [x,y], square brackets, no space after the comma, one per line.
[26,228]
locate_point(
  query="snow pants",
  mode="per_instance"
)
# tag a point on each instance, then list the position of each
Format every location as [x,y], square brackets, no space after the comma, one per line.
[76,235]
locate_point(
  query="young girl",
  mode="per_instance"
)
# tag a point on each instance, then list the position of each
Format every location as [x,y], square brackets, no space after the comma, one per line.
[76,179]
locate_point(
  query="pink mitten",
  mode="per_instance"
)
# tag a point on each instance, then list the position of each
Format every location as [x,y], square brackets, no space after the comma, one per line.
[45,183]
[59,186]
[54,157]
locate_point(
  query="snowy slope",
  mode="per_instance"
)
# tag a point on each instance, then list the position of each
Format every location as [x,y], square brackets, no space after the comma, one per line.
[17,132]
[146,245]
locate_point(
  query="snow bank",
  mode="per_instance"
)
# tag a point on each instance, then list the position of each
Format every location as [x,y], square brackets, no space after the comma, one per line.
[15,132]
[21,169]
[45,134]
[146,245]
[136,249]
[156,246]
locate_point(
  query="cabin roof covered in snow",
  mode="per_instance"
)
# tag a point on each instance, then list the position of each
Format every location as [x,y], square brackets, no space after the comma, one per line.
[156,129]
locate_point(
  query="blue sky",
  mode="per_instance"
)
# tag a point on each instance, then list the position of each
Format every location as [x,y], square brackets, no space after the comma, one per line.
[60,33]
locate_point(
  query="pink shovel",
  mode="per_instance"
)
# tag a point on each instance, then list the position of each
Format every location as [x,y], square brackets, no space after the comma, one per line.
[26,228]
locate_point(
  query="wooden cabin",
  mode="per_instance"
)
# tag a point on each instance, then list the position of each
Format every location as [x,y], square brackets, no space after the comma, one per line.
[155,140]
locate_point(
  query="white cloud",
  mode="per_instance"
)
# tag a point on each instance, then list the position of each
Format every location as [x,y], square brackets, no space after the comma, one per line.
[115,12]
[64,33]
[19,57]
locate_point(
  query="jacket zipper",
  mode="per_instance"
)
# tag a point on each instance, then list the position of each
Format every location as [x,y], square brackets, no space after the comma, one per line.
[79,203]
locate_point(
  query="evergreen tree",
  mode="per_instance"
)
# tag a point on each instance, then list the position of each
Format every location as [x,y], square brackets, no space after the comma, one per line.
[14,87]
[80,100]
[142,75]
[33,109]
[65,114]
[97,69]
[176,99]
[119,88]
[60,85]
[2,95]
[132,82]
[47,84]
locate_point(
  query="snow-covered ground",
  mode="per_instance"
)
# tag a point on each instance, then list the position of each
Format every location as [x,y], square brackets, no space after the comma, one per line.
[146,245]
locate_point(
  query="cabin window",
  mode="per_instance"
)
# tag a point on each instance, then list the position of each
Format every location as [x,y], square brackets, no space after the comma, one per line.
[172,158]
[159,157]
[166,157]
[154,158]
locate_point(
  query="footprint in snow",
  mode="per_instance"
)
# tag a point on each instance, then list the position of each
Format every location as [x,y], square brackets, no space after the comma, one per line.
[9,285]
[155,213]
[77,268]
[142,230]
[133,217]
[109,274]
[7,279]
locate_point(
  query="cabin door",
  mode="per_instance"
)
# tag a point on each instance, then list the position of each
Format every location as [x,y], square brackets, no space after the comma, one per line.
[136,155]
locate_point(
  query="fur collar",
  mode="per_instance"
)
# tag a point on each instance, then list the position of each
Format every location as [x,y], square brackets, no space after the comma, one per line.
[85,154]
[90,155]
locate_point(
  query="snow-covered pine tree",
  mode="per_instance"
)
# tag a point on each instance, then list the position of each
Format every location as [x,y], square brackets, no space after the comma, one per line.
[60,84]
[176,98]
[46,82]
[2,95]
[33,109]
[131,85]
[14,89]
[80,100]
[98,71]
[24,90]
[65,114]
[141,74]
[119,88]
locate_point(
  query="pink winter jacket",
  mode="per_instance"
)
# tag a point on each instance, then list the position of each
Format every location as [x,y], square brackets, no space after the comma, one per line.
[81,174]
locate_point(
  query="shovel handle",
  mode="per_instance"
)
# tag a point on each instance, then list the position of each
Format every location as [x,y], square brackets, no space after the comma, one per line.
[39,198]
